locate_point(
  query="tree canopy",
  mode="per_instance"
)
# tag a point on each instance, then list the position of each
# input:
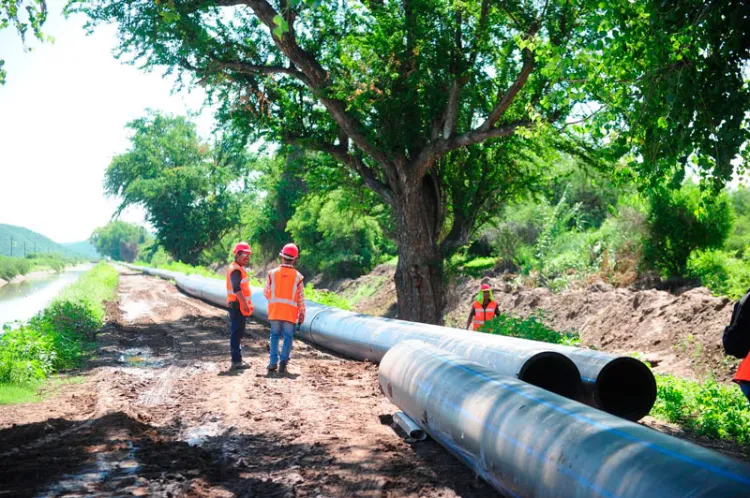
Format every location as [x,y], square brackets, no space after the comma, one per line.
[117,239]
[395,90]
[185,184]
[22,15]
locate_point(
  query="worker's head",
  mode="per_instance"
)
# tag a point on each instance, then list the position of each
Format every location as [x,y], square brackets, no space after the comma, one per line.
[242,253]
[485,293]
[289,254]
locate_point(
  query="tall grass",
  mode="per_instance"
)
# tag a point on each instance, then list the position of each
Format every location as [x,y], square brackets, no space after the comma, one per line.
[58,337]
[12,266]
[531,327]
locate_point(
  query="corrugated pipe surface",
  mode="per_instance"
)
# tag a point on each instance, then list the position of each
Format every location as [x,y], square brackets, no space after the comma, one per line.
[619,385]
[528,442]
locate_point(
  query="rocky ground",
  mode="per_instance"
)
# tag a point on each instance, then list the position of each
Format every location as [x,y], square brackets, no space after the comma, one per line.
[158,414]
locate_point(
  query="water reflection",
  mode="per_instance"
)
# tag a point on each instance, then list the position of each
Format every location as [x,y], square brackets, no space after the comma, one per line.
[23,300]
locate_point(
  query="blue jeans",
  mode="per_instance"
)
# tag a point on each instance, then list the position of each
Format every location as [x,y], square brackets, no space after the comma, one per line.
[745,386]
[238,332]
[279,327]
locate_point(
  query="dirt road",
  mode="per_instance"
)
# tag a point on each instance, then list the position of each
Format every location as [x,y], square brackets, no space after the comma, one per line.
[158,414]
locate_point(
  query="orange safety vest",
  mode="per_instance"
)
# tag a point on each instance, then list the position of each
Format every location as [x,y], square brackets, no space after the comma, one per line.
[244,286]
[482,314]
[743,371]
[282,304]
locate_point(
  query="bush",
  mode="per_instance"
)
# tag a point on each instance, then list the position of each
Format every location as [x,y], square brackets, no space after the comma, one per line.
[57,338]
[721,272]
[709,409]
[326,297]
[531,327]
[10,267]
[681,221]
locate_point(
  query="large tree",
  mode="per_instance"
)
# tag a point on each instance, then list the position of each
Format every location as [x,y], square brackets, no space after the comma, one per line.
[393,89]
[22,15]
[188,187]
[118,237]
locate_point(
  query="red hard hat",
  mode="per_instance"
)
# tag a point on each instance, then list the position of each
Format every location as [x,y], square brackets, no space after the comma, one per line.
[484,287]
[242,247]
[290,251]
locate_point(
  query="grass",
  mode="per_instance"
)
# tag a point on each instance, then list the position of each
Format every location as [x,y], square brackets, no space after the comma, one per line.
[12,266]
[531,327]
[708,408]
[59,337]
[326,298]
[14,394]
[373,285]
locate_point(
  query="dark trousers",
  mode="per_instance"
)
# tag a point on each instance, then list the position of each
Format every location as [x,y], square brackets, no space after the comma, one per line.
[745,386]
[238,332]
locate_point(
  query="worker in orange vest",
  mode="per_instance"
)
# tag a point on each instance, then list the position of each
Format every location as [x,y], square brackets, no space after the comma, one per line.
[285,292]
[483,309]
[239,301]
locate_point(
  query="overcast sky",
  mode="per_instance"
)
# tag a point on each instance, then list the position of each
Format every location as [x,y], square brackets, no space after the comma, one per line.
[63,112]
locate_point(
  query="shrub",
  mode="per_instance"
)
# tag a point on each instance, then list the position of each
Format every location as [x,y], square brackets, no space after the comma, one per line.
[326,298]
[709,409]
[720,271]
[531,327]
[681,221]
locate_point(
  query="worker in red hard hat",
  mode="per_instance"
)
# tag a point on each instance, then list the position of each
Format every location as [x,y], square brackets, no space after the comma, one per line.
[483,309]
[285,291]
[239,300]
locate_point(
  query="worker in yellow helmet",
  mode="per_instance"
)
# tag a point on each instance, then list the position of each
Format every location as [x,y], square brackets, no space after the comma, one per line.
[483,309]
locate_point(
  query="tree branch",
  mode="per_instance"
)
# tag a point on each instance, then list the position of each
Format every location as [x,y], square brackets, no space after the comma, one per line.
[507,99]
[242,67]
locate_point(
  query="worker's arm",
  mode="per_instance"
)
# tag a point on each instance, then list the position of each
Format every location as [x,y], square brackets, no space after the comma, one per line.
[301,302]
[246,306]
[267,288]
[471,317]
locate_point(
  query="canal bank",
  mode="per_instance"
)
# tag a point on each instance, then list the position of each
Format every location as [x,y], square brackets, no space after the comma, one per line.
[23,298]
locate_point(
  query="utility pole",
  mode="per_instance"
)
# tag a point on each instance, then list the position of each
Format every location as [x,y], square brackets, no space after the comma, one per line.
[11,245]
[24,248]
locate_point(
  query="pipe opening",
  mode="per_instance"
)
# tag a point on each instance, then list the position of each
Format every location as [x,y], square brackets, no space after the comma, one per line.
[553,372]
[626,387]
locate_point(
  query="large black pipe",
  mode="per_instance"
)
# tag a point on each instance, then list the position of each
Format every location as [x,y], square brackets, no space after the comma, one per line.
[528,442]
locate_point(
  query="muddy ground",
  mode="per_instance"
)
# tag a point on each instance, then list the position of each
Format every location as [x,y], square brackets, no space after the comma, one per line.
[158,414]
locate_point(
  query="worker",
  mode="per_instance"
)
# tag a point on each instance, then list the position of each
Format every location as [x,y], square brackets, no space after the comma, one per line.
[239,301]
[742,377]
[285,292]
[483,309]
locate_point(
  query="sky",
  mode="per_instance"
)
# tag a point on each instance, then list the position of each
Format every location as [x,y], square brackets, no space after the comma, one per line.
[63,112]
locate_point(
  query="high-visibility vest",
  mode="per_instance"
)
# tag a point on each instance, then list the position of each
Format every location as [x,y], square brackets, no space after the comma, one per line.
[244,286]
[282,304]
[482,314]
[743,372]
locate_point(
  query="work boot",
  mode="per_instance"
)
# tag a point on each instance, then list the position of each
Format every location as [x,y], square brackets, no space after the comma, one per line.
[282,366]
[271,367]
[239,366]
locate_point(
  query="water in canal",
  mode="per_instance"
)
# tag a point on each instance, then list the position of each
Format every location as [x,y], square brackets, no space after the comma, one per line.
[23,300]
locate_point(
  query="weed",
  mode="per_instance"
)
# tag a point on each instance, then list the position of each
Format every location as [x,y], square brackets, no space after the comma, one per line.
[326,298]
[531,328]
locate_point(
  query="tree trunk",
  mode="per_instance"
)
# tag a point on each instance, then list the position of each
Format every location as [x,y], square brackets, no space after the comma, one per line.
[419,274]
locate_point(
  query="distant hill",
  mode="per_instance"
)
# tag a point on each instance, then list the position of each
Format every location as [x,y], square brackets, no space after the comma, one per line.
[27,241]
[84,248]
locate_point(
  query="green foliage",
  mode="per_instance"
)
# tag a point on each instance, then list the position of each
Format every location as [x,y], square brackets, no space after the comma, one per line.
[10,267]
[326,297]
[335,244]
[119,240]
[22,15]
[57,338]
[709,409]
[721,272]
[681,221]
[531,327]
[84,248]
[184,183]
